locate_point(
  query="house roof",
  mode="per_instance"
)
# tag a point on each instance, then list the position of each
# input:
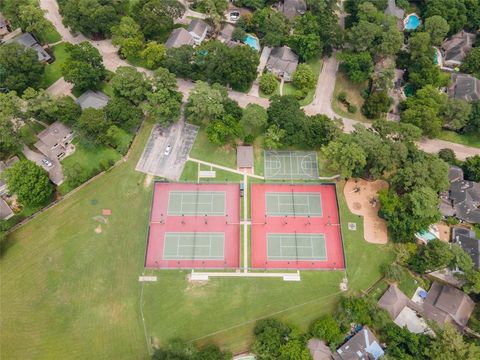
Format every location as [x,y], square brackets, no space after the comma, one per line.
[5,165]
[29,41]
[244,156]
[455,173]
[319,350]
[179,37]
[5,211]
[393,10]
[393,301]
[363,345]
[3,21]
[465,196]
[283,59]
[292,8]
[465,87]
[227,32]
[92,99]
[457,47]
[446,303]
[198,27]
[468,241]
[54,134]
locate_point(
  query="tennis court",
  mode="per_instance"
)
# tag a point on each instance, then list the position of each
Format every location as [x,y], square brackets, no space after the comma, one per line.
[193,246]
[193,203]
[291,165]
[295,247]
[293,204]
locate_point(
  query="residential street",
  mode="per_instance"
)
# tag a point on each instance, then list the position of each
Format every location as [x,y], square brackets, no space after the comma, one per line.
[320,105]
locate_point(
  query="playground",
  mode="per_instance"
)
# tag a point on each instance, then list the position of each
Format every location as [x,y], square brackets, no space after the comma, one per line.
[362,199]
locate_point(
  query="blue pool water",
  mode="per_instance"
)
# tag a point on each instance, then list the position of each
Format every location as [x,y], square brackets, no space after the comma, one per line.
[412,22]
[252,42]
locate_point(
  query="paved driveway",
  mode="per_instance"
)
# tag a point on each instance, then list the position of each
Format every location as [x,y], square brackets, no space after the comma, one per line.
[55,172]
[180,137]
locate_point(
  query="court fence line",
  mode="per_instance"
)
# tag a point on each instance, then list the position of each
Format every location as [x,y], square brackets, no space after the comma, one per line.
[225,168]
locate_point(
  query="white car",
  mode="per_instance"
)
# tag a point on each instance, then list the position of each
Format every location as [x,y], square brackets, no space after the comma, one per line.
[234,15]
[168,149]
[47,162]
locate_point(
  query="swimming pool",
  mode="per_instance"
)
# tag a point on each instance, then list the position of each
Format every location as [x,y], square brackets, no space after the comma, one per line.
[252,41]
[438,56]
[411,22]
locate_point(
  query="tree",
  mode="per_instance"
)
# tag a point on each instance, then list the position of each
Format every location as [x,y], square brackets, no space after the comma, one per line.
[163,106]
[376,104]
[268,83]
[294,348]
[345,156]
[455,114]
[357,66]
[254,120]
[362,36]
[130,84]
[19,67]
[473,123]
[448,155]
[153,54]
[270,335]
[453,11]
[31,19]
[128,36]
[29,182]
[471,168]
[83,66]
[403,344]
[438,28]
[205,104]
[391,40]
[285,112]
[180,61]
[327,329]
[471,63]
[93,125]
[449,344]
[304,78]
[274,137]
[123,113]
[238,34]
[319,130]
[223,130]
[272,26]
[9,140]
[68,111]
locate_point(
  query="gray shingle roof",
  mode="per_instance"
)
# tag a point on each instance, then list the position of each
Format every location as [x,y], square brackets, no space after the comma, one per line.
[92,99]
[27,40]
[393,10]
[292,8]
[363,345]
[457,47]
[283,59]
[197,26]
[5,211]
[179,37]
[468,242]
[464,87]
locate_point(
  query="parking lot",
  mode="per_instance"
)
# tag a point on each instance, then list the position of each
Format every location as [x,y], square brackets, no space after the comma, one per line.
[180,137]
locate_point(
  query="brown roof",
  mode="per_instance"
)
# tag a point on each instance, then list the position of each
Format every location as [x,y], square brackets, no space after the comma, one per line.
[54,133]
[197,26]
[393,301]
[244,156]
[319,350]
[178,38]
[363,345]
[457,47]
[5,211]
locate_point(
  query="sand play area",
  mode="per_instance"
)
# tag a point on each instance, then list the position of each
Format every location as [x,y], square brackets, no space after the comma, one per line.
[362,199]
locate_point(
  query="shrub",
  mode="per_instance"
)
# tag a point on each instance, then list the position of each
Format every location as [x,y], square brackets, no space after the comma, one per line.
[249,139]
[268,83]
[352,108]
[342,96]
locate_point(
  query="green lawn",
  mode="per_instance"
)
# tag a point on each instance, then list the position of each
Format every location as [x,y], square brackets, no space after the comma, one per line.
[50,35]
[53,71]
[409,283]
[353,91]
[71,293]
[464,139]
[205,150]
[289,89]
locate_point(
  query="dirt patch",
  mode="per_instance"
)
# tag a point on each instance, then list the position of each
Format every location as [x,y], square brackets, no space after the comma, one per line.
[443,232]
[362,199]
[100,219]
[98,229]
[148,180]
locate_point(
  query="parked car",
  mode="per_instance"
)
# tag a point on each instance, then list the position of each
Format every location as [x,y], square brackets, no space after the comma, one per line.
[47,162]
[234,16]
[168,149]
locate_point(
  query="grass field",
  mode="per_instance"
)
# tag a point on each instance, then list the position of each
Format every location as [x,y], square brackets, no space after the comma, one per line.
[205,150]
[464,139]
[289,89]
[53,71]
[353,92]
[71,293]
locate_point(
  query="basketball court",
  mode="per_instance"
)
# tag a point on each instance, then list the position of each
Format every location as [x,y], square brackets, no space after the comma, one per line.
[296,227]
[291,165]
[194,226]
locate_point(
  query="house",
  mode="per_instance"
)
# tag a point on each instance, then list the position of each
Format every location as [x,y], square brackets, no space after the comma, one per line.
[226,33]
[55,141]
[179,37]
[198,29]
[282,62]
[4,166]
[443,303]
[456,48]
[293,8]
[468,241]
[5,211]
[4,25]
[319,350]
[393,10]
[244,157]
[462,199]
[465,87]
[29,41]
[363,345]
[92,99]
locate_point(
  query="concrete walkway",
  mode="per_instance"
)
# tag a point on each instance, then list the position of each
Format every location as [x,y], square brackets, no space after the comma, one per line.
[254,91]
[225,168]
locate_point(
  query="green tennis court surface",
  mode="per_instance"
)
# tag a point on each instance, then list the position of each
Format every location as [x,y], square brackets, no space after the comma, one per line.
[193,246]
[289,165]
[296,247]
[191,203]
[293,204]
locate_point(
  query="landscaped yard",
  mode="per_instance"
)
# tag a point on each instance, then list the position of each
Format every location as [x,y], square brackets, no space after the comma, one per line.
[53,71]
[354,97]
[464,139]
[289,89]
[28,133]
[70,281]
